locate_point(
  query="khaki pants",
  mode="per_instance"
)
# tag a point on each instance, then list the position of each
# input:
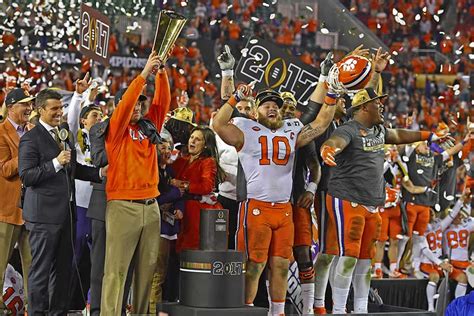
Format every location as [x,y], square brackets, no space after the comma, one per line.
[160,274]
[130,227]
[9,235]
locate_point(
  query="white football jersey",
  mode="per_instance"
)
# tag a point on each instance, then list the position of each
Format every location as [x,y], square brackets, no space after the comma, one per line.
[458,237]
[267,157]
[434,237]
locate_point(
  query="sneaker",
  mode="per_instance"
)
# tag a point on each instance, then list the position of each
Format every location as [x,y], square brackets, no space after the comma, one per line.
[418,274]
[397,275]
[378,274]
[319,310]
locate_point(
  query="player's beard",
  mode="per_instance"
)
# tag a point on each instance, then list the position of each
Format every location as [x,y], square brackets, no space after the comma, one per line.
[270,124]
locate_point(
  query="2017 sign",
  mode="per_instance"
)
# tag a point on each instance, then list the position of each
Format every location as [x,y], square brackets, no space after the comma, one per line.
[273,68]
[95,34]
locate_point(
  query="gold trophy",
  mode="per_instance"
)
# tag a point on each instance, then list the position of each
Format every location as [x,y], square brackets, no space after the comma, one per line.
[169,26]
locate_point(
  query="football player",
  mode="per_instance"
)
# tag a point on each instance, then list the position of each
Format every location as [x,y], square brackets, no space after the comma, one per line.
[306,161]
[423,169]
[356,191]
[431,250]
[266,149]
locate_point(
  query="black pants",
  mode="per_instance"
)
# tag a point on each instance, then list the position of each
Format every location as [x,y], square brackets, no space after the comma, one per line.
[233,207]
[97,268]
[51,267]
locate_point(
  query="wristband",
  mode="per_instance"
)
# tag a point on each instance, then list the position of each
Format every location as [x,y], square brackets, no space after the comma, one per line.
[330,99]
[322,78]
[227,73]
[232,101]
[425,135]
[312,187]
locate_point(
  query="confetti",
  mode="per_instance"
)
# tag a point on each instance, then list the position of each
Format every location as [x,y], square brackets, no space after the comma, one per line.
[272,16]
[309,8]
[255,19]
[324,30]
[361,35]
[254,41]
[417,17]
[394,11]
[436,18]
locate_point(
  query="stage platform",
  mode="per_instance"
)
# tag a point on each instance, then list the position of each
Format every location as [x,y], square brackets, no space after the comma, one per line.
[410,293]
[174,309]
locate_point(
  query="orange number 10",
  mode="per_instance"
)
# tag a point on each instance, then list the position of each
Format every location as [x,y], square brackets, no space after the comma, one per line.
[264,160]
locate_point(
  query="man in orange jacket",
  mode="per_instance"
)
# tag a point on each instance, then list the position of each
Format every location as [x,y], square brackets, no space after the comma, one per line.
[132,216]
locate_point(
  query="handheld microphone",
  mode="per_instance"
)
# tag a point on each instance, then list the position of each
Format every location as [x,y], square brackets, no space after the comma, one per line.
[64,133]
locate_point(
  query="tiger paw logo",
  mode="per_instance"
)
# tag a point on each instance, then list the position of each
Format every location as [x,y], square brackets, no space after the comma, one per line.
[349,64]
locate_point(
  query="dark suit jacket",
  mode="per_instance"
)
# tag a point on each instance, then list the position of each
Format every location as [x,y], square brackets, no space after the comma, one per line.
[48,192]
[98,202]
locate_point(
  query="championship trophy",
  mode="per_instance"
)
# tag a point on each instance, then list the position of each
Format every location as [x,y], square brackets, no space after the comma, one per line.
[169,26]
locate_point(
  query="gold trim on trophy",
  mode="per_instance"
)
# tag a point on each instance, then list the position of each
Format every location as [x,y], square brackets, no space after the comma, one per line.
[168,28]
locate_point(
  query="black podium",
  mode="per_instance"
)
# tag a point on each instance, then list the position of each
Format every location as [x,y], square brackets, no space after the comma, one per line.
[212,279]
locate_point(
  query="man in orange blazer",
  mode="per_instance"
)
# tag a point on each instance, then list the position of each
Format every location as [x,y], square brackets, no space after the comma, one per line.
[12,228]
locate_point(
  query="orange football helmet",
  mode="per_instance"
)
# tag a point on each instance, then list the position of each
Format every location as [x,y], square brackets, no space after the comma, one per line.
[353,73]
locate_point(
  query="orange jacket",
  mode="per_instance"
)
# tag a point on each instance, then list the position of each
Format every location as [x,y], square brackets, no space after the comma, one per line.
[133,160]
[10,183]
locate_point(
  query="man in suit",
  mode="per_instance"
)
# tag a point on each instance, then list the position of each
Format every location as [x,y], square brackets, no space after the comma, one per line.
[12,228]
[47,169]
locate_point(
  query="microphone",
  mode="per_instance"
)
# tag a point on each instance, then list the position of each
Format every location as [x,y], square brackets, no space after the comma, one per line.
[64,132]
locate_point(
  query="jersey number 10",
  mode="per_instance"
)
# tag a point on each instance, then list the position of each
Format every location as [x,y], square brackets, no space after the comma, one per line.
[276,141]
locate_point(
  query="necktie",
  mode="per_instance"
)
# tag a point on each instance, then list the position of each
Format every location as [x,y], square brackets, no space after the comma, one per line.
[56,138]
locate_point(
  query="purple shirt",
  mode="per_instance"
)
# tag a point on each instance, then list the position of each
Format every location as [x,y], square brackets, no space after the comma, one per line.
[20,130]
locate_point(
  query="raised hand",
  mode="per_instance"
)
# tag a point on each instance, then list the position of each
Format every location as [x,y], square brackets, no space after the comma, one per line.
[360,51]
[326,64]
[183,99]
[153,62]
[83,84]
[243,91]
[226,60]
[380,60]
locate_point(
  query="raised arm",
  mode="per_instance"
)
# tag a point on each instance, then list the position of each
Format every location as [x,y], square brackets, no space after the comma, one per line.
[227,131]
[161,99]
[405,136]
[317,97]
[319,125]
[73,118]
[324,118]
[380,61]
[464,199]
[124,110]
[226,63]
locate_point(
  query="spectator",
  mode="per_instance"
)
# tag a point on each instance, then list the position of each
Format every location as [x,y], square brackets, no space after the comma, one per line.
[197,176]
[12,228]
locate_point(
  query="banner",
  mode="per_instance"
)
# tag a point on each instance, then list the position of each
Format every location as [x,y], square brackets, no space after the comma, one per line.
[274,68]
[94,35]
[73,58]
